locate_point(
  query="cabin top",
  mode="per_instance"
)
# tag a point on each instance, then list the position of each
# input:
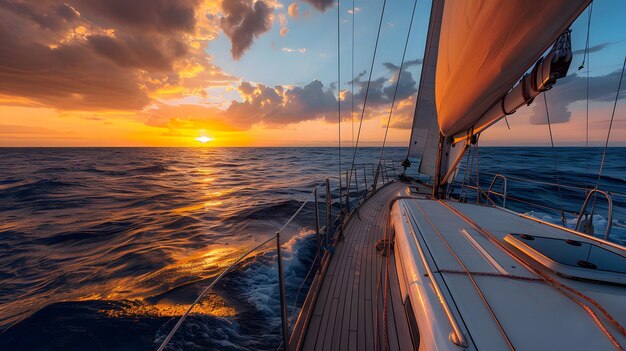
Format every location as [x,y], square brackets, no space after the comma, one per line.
[502,279]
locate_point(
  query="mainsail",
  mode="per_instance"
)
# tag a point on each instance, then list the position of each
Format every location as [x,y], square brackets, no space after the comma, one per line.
[486,46]
[483,47]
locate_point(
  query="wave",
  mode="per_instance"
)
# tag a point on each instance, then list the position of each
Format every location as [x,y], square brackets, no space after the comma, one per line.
[37,188]
[242,315]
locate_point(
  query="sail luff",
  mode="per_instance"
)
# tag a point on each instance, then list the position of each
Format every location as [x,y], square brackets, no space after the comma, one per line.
[425,130]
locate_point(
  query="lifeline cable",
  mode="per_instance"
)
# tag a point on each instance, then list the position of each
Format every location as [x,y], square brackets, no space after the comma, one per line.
[556,169]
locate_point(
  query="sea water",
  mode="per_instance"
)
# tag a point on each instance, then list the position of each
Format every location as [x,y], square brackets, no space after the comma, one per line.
[103,248]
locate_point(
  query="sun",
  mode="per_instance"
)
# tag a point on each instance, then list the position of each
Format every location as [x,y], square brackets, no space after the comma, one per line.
[204,139]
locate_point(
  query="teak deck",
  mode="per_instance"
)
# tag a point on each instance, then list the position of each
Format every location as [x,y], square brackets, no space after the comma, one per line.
[350,300]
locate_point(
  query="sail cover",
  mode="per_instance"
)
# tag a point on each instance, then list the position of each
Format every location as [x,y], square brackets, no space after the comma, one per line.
[485,46]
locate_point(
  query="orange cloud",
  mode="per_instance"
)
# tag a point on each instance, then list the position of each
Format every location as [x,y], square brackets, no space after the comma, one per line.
[294,10]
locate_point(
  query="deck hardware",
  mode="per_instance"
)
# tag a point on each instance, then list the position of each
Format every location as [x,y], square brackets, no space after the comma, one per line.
[365,179]
[502,193]
[329,213]
[317,230]
[527,237]
[573,242]
[348,184]
[283,299]
[458,338]
[583,210]
[586,264]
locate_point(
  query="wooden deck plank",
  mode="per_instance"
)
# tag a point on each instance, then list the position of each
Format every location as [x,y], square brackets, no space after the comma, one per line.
[371,304]
[344,314]
[352,341]
[334,326]
[350,298]
[314,325]
[330,306]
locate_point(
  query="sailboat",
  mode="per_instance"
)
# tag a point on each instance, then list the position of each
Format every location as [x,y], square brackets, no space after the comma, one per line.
[414,268]
[454,275]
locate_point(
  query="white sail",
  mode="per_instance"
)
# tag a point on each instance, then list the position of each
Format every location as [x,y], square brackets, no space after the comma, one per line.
[425,131]
[485,47]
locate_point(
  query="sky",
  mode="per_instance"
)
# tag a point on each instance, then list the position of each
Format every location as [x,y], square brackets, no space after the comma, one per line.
[258,73]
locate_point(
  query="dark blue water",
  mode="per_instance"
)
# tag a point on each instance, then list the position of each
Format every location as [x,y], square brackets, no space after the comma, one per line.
[103,248]
[535,187]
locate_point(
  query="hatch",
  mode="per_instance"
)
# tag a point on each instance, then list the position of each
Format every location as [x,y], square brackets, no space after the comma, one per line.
[573,258]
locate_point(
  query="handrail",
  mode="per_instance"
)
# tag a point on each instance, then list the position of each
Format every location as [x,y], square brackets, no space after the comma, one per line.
[579,215]
[526,202]
[609,215]
[565,186]
[504,188]
[457,336]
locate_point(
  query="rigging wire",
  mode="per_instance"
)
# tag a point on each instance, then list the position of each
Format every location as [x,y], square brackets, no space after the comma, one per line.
[339,102]
[352,82]
[556,169]
[367,88]
[586,53]
[478,190]
[466,175]
[582,65]
[395,91]
[608,134]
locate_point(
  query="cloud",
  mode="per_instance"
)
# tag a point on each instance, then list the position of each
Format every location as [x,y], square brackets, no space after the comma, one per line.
[106,54]
[283,24]
[294,10]
[597,48]
[164,16]
[281,105]
[571,89]
[381,90]
[261,104]
[320,5]
[243,21]
[19,129]
[299,50]
[186,117]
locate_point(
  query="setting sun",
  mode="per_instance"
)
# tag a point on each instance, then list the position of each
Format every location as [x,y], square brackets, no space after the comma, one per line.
[204,139]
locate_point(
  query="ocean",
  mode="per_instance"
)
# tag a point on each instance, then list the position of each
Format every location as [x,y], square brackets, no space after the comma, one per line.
[103,248]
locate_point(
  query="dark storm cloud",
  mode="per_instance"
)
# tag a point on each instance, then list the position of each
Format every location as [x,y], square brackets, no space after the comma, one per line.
[321,5]
[155,15]
[69,77]
[243,21]
[137,52]
[571,89]
[55,18]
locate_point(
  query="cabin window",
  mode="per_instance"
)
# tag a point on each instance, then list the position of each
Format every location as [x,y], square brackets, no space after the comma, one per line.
[410,315]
